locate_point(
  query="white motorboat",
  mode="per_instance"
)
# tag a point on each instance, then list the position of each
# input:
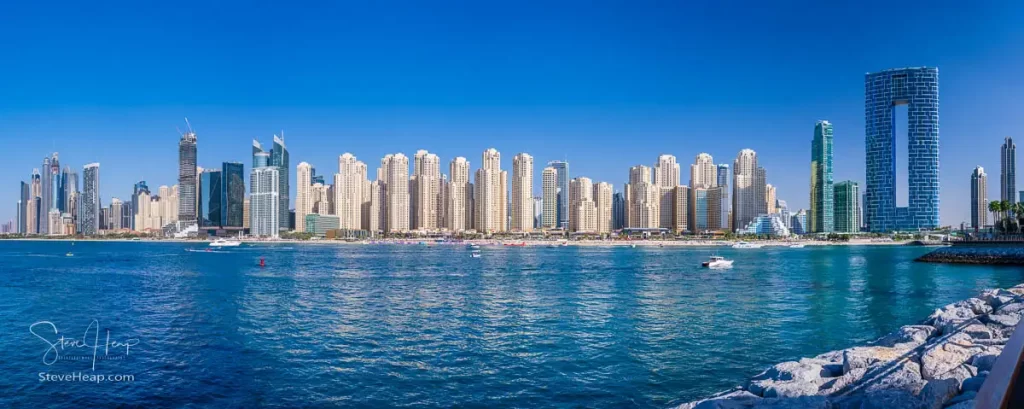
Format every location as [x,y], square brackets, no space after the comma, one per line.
[796,246]
[225,243]
[717,262]
[475,254]
[745,245]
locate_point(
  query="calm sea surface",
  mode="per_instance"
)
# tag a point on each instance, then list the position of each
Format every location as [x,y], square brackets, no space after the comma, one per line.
[390,325]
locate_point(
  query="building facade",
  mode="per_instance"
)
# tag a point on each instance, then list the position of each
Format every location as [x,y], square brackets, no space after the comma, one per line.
[549,191]
[583,218]
[459,217]
[90,203]
[562,197]
[522,193]
[1008,171]
[264,202]
[210,208]
[232,195]
[847,207]
[918,88]
[748,198]
[979,198]
[188,179]
[820,216]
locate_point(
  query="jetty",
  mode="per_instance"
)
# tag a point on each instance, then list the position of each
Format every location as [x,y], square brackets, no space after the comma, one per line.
[965,355]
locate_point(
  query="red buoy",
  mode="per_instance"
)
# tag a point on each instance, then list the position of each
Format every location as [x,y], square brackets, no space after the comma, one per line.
[262,263]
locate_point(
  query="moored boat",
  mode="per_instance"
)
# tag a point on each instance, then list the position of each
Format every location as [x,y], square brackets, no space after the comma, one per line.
[225,243]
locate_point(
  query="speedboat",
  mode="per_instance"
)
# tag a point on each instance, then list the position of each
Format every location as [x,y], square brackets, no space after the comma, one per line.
[474,246]
[225,243]
[717,262]
[475,254]
[745,245]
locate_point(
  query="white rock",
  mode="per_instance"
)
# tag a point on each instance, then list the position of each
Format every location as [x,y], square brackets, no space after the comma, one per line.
[945,354]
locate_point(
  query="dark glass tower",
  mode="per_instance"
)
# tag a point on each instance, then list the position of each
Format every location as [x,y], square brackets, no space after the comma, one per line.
[279,158]
[562,175]
[210,206]
[1008,171]
[918,88]
[820,218]
[232,195]
[187,179]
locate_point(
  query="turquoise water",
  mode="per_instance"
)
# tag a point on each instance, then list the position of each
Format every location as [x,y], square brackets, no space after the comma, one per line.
[388,325]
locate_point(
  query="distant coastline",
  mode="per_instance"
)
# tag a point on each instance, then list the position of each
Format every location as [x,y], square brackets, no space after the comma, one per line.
[500,242]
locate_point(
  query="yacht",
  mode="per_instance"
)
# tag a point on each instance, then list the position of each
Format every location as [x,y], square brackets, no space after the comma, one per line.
[717,262]
[745,245]
[796,246]
[225,243]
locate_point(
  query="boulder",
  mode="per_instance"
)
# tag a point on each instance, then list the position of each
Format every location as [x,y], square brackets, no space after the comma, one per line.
[960,373]
[730,400]
[1014,307]
[979,331]
[967,404]
[984,361]
[963,397]
[977,305]
[831,356]
[864,357]
[805,402]
[902,375]
[829,369]
[913,335]
[973,384]
[997,298]
[950,319]
[945,354]
[1006,320]
[841,384]
[937,392]
[879,400]
[788,379]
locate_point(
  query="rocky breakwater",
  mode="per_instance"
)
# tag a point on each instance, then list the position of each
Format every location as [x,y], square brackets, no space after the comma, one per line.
[939,363]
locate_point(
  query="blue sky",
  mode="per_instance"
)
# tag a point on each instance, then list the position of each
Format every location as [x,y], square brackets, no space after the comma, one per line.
[606,85]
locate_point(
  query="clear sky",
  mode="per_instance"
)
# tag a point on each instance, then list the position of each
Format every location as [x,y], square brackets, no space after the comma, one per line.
[606,85]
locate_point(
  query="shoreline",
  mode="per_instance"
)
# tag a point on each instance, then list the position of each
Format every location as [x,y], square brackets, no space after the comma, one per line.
[501,242]
[940,362]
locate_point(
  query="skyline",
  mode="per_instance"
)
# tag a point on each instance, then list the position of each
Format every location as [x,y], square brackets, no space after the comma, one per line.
[648,106]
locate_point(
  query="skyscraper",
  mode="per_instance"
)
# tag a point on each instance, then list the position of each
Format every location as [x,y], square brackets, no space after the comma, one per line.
[522,193]
[137,207]
[726,204]
[847,207]
[279,158]
[23,204]
[44,197]
[681,213]
[90,203]
[348,191]
[426,191]
[979,198]
[562,169]
[490,197]
[666,178]
[583,218]
[396,189]
[704,173]
[748,196]
[618,211]
[769,198]
[264,201]
[303,193]
[918,88]
[188,193]
[459,206]
[210,207]
[232,195]
[643,199]
[1008,171]
[820,216]
[549,191]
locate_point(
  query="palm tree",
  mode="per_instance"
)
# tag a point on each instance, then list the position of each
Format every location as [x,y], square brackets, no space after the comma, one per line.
[996,207]
[1006,207]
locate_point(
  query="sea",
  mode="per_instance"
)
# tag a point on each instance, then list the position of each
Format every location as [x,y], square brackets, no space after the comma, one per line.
[151,324]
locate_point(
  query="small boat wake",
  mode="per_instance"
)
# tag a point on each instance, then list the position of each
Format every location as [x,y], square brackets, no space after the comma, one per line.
[206,251]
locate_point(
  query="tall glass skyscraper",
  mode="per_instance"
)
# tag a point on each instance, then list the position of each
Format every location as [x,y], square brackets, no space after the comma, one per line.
[563,192]
[1008,171]
[820,217]
[90,202]
[210,207]
[918,88]
[233,195]
[847,207]
[979,198]
[187,189]
[279,158]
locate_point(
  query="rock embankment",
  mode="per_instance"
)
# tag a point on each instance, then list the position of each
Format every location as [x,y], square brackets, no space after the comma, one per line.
[1003,255]
[940,363]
